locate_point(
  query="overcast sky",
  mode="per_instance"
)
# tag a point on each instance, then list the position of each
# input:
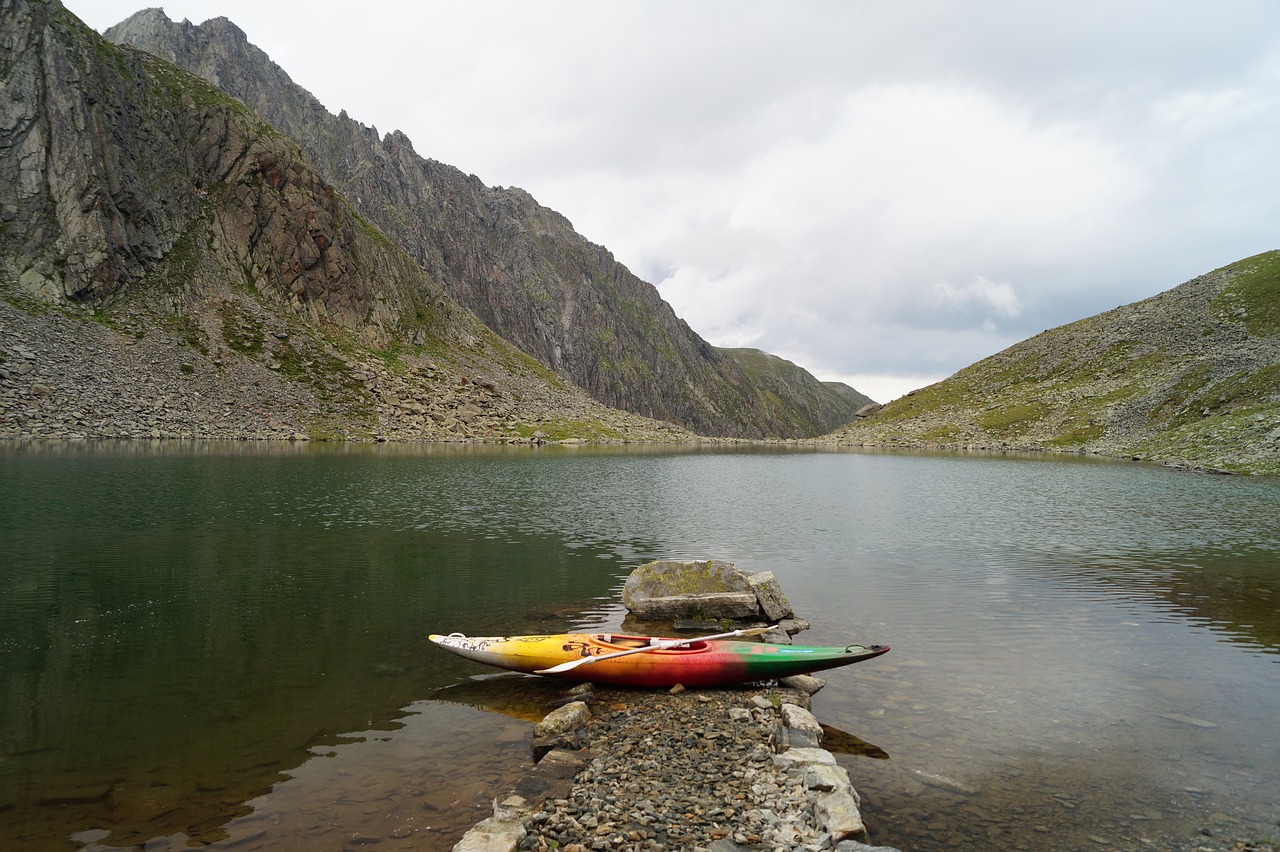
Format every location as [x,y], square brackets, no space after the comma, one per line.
[880,191]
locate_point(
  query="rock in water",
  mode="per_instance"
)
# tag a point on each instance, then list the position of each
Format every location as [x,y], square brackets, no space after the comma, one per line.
[711,589]
[773,603]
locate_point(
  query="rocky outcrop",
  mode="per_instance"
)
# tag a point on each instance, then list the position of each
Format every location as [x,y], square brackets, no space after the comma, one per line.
[1188,377]
[85,202]
[518,266]
[117,164]
[710,590]
[158,239]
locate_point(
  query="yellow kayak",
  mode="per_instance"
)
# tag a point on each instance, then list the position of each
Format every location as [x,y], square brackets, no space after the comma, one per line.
[652,661]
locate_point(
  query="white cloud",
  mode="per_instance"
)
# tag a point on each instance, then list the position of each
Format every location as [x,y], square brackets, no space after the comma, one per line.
[886,388]
[1000,299]
[868,190]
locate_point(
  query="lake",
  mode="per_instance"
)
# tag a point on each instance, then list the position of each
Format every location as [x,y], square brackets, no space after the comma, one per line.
[226,644]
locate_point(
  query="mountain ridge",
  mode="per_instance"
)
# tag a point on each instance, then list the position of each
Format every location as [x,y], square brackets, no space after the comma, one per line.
[520,267]
[173,266]
[1190,376]
[157,237]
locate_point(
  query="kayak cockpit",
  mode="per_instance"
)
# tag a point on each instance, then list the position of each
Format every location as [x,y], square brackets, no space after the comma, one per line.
[619,642]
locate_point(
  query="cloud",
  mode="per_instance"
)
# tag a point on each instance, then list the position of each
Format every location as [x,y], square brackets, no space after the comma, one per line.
[865,189]
[826,239]
[887,387]
[999,299]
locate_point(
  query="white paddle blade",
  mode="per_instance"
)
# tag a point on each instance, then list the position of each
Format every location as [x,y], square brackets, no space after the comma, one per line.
[565,667]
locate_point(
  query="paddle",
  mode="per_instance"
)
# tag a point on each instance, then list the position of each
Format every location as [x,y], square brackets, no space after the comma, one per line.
[660,645]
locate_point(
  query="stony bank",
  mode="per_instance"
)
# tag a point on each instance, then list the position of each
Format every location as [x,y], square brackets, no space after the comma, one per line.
[717,769]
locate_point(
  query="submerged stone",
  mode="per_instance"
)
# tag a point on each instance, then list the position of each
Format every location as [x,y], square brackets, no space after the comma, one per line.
[492,835]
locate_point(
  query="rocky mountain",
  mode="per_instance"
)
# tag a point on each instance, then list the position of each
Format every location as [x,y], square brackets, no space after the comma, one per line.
[171,264]
[794,393]
[518,266]
[1190,376]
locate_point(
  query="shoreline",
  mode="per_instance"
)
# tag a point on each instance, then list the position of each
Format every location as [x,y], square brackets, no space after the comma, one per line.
[720,769]
[69,378]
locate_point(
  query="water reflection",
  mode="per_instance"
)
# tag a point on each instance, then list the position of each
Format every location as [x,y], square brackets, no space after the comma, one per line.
[228,643]
[403,788]
[837,741]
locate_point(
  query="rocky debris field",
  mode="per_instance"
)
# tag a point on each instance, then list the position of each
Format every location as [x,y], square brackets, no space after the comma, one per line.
[67,378]
[73,375]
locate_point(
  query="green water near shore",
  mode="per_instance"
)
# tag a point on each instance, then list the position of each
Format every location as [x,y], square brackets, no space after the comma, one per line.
[226,643]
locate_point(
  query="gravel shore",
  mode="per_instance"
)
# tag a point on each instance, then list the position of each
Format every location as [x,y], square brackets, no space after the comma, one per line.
[701,770]
[698,770]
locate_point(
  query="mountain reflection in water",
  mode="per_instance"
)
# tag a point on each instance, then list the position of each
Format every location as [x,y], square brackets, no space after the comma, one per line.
[227,643]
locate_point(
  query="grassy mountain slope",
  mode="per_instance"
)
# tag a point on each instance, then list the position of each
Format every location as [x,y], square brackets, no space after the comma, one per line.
[1190,376]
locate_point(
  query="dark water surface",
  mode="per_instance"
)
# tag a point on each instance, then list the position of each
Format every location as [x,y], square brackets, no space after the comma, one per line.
[226,643]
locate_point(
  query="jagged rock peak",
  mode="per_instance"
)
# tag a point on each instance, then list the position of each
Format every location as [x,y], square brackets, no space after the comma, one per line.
[217,51]
[517,265]
[397,138]
[153,23]
[154,20]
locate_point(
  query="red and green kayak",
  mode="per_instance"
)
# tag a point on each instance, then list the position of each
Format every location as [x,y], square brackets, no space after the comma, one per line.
[650,661]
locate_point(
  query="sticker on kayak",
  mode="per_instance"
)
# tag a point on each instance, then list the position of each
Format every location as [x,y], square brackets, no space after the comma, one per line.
[582,649]
[483,643]
[778,649]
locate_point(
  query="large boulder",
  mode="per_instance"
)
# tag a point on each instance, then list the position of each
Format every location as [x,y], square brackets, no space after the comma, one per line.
[711,589]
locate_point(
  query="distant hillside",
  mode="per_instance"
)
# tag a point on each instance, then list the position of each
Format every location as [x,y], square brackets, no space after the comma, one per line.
[792,389]
[172,265]
[1190,376]
[518,266]
[857,396]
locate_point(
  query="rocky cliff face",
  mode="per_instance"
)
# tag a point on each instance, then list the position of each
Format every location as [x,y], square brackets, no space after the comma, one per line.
[114,161]
[518,266]
[158,237]
[77,180]
[1191,376]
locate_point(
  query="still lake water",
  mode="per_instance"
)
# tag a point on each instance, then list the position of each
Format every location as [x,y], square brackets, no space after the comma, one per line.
[226,644]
